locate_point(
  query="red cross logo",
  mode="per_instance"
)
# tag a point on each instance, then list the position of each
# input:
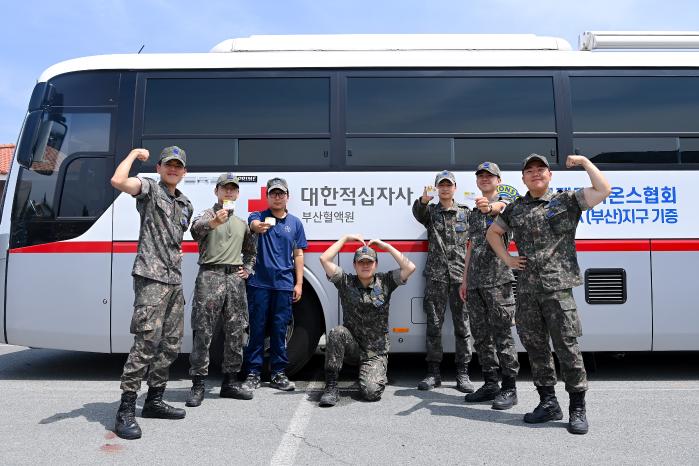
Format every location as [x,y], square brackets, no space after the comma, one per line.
[258,205]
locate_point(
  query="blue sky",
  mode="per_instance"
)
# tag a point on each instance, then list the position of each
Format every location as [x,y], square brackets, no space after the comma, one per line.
[36,34]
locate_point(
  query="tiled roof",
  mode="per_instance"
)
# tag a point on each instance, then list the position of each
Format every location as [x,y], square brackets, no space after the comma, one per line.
[50,163]
[6,152]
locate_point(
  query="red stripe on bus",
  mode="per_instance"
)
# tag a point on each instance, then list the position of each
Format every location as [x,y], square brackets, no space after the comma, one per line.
[82,247]
[586,245]
[601,245]
[125,247]
[74,247]
[675,245]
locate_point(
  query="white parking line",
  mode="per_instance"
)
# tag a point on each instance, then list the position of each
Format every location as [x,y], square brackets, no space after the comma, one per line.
[288,447]
[688,389]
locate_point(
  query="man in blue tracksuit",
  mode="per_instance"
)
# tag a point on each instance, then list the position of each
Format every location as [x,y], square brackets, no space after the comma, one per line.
[276,283]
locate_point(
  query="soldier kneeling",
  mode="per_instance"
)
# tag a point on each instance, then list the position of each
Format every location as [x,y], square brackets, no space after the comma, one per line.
[364,334]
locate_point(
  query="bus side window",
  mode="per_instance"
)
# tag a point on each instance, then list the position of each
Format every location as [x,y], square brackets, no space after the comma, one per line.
[85,193]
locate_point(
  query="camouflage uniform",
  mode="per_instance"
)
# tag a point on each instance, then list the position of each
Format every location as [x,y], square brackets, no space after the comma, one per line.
[219,291]
[157,322]
[544,230]
[490,300]
[364,333]
[447,232]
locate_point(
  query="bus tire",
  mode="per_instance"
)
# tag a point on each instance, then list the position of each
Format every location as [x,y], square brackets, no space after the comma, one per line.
[309,325]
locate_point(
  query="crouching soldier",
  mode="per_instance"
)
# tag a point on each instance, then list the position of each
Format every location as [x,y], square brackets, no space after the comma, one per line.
[220,290]
[365,299]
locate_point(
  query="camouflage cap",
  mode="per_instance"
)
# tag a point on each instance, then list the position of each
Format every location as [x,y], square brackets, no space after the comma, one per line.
[364,253]
[532,157]
[277,183]
[173,153]
[489,167]
[444,175]
[227,178]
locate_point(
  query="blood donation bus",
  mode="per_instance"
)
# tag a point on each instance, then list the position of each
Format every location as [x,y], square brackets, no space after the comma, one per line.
[358,125]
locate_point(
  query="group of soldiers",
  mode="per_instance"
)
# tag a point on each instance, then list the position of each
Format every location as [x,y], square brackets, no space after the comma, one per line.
[469,269]
[251,272]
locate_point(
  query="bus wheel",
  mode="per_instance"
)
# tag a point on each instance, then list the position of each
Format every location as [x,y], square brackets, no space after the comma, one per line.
[308,326]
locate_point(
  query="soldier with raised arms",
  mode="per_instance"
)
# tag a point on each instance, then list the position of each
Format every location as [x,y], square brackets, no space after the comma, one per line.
[158,316]
[543,225]
[363,335]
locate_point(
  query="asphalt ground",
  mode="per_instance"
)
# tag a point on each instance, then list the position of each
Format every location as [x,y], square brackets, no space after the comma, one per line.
[58,407]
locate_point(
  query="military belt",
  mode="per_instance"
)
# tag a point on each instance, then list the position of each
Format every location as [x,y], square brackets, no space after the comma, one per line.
[225,268]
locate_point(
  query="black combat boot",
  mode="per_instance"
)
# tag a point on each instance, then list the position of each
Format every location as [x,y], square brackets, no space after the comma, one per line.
[196,394]
[433,378]
[231,388]
[463,383]
[577,423]
[331,394]
[488,391]
[548,408]
[154,406]
[126,426]
[507,397]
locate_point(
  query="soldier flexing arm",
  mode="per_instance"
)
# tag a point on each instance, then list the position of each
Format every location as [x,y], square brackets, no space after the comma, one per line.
[593,195]
[600,189]
[157,321]
[121,179]
[546,309]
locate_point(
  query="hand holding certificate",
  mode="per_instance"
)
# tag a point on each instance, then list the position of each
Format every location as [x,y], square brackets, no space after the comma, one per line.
[229,205]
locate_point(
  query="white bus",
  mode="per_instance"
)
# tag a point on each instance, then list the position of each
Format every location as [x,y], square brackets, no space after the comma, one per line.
[358,125]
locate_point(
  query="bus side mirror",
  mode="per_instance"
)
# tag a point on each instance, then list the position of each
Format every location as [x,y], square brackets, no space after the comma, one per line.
[30,134]
[37,136]
[37,128]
